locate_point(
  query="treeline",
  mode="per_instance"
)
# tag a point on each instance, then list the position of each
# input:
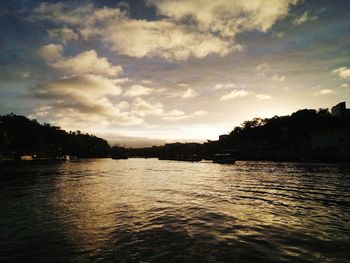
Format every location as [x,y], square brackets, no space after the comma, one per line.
[304,135]
[21,136]
[281,130]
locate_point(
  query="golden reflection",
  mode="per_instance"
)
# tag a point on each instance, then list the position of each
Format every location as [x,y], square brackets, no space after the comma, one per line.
[102,199]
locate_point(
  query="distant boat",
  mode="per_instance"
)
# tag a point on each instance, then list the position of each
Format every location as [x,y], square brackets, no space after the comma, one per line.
[191,158]
[224,158]
[120,156]
[63,157]
[183,158]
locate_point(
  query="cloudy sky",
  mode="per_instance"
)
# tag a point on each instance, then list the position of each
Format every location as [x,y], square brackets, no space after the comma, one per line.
[140,72]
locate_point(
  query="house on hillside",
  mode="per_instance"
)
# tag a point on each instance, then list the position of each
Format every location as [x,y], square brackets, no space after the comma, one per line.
[341,112]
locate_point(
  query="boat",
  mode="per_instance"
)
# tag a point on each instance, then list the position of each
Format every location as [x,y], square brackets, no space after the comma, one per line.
[224,158]
[120,156]
[183,158]
[119,153]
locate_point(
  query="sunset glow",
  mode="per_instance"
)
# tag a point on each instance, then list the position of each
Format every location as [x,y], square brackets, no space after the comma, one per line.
[149,71]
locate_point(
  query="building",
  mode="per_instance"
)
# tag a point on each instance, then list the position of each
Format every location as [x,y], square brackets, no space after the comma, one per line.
[341,112]
[331,144]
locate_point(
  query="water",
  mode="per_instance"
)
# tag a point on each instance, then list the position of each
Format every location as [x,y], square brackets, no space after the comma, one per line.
[145,210]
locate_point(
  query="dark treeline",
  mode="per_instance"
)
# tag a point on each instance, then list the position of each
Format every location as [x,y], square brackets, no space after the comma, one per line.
[304,135]
[21,136]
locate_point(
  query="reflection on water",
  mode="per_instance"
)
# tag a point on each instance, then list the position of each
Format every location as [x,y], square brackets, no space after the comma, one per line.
[155,211]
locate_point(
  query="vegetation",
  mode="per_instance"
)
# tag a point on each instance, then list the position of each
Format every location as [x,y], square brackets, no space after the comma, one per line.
[277,138]
[284,130]
[21,136]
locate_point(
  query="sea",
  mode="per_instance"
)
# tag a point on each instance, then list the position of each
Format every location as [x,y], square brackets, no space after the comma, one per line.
[150,210]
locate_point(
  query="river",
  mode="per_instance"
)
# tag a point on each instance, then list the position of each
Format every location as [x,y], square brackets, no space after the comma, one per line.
[146,210]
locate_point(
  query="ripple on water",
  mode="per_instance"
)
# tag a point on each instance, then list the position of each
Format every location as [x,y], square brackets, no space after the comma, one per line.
[142,210]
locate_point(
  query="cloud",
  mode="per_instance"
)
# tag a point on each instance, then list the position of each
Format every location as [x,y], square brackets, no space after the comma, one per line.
[136,38]
[83,96]
[189,93]
[303,19]
[225,17]
[137,90]
[324,92]
[200,112]
[342,72]
[235,94]
[143,108]
[262,66]
[86,85]
[191,28]
[263,97]
[88,94]
[278,34]
[51,52]
[83,112]
[277,77]
[183,92]
[224,86]
[147,82]
[176,115]
[63,34]
[344,85]
[87,62]
[140,38]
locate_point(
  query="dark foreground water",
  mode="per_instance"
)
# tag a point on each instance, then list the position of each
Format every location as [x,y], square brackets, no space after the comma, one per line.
[145,210]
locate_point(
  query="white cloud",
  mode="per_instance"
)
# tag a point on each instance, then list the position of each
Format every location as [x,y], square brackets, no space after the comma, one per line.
[342,72]
[160,90]
[263,97]
[324,92]
[137,90]
[235,94]
[262,66]
[143,108]
[88,85]
[200,112]
[82,98]
[278,34]
[344,85]
[188,28]
[224,86]
[140,38]
[87,62]
[189,93]
[51,52]
[176,115]
[225,17]
[122,80]
[277,77]
[147,82]
[303,18]
[63,34]
[123,105]
[77,111]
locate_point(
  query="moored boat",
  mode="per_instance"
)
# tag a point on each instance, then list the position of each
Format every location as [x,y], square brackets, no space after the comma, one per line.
[224,158]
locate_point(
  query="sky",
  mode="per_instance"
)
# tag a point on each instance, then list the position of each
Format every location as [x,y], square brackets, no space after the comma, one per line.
[144,72]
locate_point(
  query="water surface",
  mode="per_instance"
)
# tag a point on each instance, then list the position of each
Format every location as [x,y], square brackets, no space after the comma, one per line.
[146,210]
